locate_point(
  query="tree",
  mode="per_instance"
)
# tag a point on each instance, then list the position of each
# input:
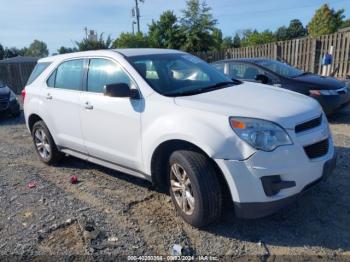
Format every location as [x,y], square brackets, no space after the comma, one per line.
[198,25]
[12,52]
[66,50]
[236,41]
[89,44]
[2,52]
[217,39]
[281,33]
[253,38]
[166,32]
[346,23]
[325,21]
[227,42]
[37,49]
[128,40]
[296,29]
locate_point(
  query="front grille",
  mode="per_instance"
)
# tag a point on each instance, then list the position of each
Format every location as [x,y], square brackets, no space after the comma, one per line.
[308,125]
[4,100]
[318,149]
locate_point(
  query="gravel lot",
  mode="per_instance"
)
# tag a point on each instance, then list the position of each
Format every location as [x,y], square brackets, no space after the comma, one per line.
[111,213]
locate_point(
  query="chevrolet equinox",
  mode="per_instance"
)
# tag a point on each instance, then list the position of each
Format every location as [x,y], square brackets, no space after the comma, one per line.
[169,117]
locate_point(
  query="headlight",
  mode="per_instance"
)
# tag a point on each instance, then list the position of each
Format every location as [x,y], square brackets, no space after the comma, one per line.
[260,134]
[12,96]
[324,92]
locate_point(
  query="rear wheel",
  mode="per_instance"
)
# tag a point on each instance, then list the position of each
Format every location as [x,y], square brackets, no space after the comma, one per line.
[194,188]
[44,144]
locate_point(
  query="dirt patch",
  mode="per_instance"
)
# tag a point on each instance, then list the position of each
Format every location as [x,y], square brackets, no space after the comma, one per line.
[66,239]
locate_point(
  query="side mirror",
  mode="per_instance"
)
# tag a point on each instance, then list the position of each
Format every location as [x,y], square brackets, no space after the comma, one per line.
[121,90]
[262,79]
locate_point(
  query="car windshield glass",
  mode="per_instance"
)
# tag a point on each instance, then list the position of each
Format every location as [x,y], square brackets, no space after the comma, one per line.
[280,68]
[179,74]
[2,84]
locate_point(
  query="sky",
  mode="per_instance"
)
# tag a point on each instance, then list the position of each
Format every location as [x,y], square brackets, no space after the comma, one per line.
[62,22]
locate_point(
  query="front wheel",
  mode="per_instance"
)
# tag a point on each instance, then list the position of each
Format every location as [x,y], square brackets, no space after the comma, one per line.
[194,188]
[44,144]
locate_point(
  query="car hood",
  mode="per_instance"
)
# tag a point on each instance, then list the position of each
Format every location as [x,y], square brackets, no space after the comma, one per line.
[4,90]
[257,101]
[320,82]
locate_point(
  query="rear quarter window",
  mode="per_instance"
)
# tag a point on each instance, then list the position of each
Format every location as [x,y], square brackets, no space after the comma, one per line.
[38,69]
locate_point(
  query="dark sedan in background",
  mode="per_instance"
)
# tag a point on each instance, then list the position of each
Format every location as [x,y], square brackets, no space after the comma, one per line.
[330,92]
[8,101]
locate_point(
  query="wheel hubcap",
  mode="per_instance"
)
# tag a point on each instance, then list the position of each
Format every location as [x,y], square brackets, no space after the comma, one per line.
[42,143]
[182,189]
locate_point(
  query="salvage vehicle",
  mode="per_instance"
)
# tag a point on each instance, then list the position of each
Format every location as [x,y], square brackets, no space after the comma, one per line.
[328,91]
[171,118]
[8,101]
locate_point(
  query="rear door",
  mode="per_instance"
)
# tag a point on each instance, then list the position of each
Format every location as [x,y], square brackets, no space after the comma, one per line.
[62,103]
[111,125]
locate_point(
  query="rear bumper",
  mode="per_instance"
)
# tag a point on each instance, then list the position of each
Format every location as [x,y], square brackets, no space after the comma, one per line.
[262,209]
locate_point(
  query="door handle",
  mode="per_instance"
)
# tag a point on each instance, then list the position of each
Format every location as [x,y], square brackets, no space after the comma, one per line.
[88,106]
[48,96]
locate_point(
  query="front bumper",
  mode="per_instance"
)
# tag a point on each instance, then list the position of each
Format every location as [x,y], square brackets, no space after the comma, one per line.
[332,103]
[262,209]
[295,170]
[12,107]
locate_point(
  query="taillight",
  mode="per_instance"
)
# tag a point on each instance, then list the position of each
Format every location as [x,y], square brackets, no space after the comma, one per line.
[23,94]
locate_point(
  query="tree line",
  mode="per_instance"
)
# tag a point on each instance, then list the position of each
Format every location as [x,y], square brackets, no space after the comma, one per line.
[196,30]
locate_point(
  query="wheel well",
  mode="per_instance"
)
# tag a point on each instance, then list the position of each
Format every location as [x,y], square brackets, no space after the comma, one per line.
[160,160]
[32,120]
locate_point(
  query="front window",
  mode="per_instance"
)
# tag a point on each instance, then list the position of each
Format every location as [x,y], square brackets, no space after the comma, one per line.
[244,71]
[280,68]
[179,74]
[103,72]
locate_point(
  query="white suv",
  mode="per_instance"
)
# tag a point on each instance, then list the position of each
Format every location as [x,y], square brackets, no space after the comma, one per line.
[171,118]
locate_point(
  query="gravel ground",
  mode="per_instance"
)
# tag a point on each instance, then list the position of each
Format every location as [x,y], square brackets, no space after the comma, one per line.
[109,213]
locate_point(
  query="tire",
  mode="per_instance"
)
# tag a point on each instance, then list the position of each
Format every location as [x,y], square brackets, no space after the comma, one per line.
[47,152]
[201,187]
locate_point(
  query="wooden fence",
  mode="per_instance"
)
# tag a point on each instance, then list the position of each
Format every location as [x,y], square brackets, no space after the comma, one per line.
[16,71]
[304,53]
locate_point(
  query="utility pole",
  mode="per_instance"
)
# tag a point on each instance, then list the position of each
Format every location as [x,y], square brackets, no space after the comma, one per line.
[135,13]
[133,27]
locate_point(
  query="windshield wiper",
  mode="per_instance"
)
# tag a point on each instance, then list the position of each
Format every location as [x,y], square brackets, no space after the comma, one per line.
[216,86]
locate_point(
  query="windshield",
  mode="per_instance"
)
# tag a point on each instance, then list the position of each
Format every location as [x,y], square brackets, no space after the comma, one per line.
[280,68]
[179,74]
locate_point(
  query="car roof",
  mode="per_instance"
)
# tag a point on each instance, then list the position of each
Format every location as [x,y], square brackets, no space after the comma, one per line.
[247,60]
[128,52]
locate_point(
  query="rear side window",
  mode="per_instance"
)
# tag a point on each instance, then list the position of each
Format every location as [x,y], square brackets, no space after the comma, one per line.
[103,72]
[38,69]
[68,75]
